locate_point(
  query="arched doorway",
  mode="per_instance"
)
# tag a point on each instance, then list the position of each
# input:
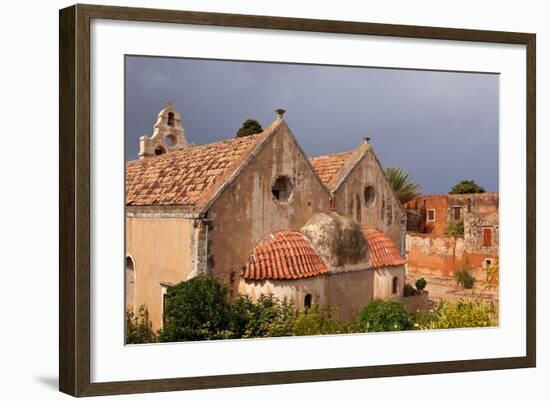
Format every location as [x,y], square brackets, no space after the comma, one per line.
[130,275]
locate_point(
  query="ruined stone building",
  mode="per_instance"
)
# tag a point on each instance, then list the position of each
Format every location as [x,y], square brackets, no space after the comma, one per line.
[430,251]
[259,216]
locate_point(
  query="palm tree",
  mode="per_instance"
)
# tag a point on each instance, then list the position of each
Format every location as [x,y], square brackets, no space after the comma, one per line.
[402,184]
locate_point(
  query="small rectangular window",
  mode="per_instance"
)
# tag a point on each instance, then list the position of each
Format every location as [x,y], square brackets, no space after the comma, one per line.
[456,212]
[431,215]
[487,236]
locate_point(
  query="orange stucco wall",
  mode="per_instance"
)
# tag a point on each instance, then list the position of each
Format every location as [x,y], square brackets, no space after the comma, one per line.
[442,255]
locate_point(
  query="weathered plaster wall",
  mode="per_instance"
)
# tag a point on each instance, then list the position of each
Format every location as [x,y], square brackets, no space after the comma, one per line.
[383,282]
[163,251]
[247,211]
[441,255]
[350,290]
[384,213]
[291,290]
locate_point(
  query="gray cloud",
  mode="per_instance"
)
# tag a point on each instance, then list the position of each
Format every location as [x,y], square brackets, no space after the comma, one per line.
[440,126]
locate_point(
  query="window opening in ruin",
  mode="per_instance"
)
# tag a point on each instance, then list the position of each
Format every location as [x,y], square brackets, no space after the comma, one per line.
[456,212]
[282,188]
[469,205]
[370,196]
[307,301]
[394,285]
[159,150]
[487,236]
[431,215]
[170,122]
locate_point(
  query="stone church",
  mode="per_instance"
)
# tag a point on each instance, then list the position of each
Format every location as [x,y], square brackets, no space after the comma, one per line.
[261,217]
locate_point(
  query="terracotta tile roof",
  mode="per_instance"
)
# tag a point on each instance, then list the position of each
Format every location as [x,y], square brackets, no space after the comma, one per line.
[188,176]
[383,251]
[328,166]
[284,255]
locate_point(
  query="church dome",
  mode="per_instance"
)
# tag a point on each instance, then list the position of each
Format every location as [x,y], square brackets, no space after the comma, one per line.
[337,239]
[283,255]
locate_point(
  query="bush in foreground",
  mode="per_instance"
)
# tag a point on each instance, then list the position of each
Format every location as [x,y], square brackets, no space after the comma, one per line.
[139,329]
[383,316]
[457,314]
[196,309]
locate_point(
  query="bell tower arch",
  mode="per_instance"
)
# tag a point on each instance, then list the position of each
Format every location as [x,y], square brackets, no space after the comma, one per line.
[168,134]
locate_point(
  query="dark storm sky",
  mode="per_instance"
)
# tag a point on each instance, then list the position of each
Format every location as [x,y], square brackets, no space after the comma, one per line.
[440,126]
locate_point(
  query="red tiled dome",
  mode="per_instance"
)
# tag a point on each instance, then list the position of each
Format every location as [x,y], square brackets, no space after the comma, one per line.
[284,255]
[383,251]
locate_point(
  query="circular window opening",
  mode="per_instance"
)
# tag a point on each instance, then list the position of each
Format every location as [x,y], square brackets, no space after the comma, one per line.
[171,140]
[282,188]
[370,195]
[159,150]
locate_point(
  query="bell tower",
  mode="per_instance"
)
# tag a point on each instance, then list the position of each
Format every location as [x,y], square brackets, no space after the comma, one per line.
[168,134]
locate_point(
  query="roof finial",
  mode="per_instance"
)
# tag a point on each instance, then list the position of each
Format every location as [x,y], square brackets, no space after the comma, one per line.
[366,139]
[169,103]
[280,113]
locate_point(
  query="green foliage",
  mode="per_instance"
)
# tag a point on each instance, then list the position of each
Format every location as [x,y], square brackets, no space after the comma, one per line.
[250,127]
[467,187]
[420,284]
[402,184]
[139,329]
[197,309]
[464,277]
[409,290]
[268,317]
[455,228]
[383,316]
[314,321]
[457,314]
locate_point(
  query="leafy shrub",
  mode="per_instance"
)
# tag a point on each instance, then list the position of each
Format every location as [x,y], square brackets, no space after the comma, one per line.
[314,320]
[409,290]
[455,228]
[420,284]
[464,277]
[197,309]
[139,329]
[457,314]
[268,317]
[383,316]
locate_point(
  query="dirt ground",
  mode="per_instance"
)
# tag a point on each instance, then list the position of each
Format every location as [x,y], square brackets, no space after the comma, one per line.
[446,288]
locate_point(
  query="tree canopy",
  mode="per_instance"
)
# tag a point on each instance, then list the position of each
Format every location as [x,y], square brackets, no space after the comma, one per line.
[250,127]
[402,184]
[466,187]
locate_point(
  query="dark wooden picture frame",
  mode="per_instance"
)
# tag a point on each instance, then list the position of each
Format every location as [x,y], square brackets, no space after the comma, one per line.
[74,200]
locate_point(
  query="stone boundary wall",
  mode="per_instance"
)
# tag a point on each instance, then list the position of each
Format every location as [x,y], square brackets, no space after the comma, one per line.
[441,255]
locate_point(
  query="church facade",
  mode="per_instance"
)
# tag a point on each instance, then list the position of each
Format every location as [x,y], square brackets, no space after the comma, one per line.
[261,217]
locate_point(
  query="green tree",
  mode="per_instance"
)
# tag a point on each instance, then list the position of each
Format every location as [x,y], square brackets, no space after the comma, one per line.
[455,228]
[383,316]
[197,309]
[402,184]
[466,187]
[250,127]
[139,329]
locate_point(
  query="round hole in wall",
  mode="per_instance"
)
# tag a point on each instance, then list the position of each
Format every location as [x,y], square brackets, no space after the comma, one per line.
[159,150]
[171,140]
[370,195]
[282,188]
